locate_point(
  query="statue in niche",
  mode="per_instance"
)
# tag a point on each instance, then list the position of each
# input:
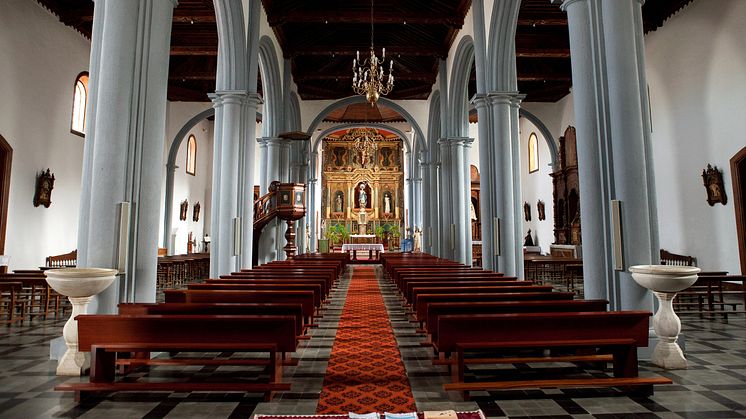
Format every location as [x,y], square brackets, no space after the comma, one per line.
[363,197]
[387,203]
[338,202]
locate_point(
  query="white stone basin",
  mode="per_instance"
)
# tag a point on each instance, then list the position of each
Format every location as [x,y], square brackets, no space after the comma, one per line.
[664,278]
[80,282]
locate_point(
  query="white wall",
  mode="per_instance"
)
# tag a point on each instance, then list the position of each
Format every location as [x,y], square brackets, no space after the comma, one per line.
[197,188]
[696,69]
[39,61]
[537,186]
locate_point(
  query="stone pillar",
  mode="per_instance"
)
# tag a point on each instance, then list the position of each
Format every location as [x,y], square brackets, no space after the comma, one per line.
[417,202]
[459,203]
[445,203]
[246,184]
[631,151]
[609,95]
[500,187]
[229,110]
[488,208]
[273,240]
[425,190]
[263,161]
[124,145]
[436,223]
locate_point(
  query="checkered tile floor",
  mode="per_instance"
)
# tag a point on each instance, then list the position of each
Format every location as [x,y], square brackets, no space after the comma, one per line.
[714,386]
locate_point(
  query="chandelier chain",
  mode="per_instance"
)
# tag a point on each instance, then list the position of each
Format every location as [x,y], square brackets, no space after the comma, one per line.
[368,78]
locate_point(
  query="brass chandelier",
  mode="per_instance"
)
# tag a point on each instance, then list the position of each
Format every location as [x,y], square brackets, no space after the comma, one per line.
[367,75]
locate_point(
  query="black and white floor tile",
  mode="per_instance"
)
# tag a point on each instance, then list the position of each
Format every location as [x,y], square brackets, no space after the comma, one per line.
[714,386]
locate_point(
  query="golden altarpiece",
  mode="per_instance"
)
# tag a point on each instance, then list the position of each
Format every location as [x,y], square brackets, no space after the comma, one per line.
[362,182]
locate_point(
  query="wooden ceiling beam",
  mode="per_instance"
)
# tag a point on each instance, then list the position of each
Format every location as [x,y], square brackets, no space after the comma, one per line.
[544,77]
[85,14]
[350,51]
[424,77]
[543,52]
[420,17]
[539,20]
[194,50]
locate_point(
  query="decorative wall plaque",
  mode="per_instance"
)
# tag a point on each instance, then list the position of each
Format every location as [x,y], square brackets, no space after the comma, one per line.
[183,210]
[44,186]
[195,212]
[713,180]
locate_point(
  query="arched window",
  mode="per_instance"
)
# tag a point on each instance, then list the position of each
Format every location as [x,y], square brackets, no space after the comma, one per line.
[80,102]
[191,158]
[533,153]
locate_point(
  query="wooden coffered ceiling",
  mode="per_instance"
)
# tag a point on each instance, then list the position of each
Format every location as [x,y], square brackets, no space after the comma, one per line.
[321,37]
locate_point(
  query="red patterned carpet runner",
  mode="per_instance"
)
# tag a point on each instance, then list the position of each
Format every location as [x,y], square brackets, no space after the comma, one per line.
[365,372]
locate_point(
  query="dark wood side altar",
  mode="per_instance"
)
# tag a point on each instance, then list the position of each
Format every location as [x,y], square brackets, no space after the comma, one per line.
[566,195]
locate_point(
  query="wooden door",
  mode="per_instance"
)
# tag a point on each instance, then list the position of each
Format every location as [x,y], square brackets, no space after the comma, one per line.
[738,174]
[6,156]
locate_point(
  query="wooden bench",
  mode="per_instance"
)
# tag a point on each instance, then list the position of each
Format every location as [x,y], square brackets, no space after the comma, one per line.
[424,299]
[239,279]
[435,310]
[64,260]
[408,292]
[304,298]
[106,335]
[618,333]
[315,289]
[417,291]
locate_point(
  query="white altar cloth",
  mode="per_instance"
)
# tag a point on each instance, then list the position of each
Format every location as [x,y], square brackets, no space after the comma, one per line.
[362,246]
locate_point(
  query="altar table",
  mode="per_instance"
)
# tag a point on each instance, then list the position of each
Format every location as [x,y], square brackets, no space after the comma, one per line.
[362,238]
[370,247]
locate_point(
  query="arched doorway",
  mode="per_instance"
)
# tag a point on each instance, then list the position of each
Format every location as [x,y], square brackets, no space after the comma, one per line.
[738,173]
[6,157]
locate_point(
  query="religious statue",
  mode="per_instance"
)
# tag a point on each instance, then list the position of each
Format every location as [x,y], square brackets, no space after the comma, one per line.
[472,210]
[338,202]
[418,239]
[363,197]
[528,241]
[387,203]
[44,186]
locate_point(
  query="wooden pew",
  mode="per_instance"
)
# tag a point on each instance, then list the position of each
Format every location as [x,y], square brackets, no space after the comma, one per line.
[304,298]
[619,333]
[314,288]
[416,291]
[268,309]
[424,299]
[106,335]
[239,279]
[435,310]
[408,290]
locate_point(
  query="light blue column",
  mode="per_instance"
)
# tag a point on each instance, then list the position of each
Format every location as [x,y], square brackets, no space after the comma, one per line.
[124,145]
[246,184]
[445,202]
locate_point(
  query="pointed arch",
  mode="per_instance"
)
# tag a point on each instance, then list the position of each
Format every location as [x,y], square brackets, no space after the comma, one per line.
[6,158]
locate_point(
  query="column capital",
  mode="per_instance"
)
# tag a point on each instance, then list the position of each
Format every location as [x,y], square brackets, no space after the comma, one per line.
[480,100]
[221,97]
[253,99]
[459,141]
[505,98]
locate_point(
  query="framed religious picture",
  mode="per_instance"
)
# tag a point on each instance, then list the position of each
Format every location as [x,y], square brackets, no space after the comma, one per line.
[195,212]
[44,186]
[183,208]
[713,180]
